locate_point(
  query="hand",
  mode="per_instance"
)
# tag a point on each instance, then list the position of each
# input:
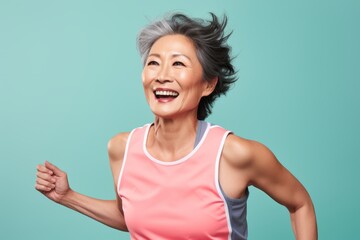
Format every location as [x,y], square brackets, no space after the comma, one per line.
[51,181]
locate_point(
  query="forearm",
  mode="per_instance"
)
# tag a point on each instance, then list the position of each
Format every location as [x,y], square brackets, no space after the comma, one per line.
[303,222]
[104,211]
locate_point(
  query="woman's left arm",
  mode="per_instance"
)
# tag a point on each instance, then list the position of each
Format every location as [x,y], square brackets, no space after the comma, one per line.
[266,173]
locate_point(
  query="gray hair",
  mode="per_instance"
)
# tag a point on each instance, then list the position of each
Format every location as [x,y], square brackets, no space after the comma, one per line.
[211,46]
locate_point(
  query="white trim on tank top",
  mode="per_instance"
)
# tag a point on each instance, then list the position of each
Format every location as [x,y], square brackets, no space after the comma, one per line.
[178,161]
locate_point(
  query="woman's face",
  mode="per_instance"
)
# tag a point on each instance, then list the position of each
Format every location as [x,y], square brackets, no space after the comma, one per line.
[172,77]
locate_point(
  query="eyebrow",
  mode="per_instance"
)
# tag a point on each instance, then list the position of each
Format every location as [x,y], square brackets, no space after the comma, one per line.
[173,55]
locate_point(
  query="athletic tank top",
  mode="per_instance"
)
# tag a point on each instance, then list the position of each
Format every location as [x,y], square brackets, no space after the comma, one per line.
[180,199]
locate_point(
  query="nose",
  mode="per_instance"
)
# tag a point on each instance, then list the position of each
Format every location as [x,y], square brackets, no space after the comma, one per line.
[164,74]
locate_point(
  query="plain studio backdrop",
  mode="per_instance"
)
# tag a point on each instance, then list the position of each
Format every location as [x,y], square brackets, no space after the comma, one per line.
[70,79]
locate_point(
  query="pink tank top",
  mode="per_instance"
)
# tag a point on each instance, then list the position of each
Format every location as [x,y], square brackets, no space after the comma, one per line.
[181,199]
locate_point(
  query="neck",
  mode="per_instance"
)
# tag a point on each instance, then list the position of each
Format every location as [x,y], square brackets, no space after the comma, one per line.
[172,138]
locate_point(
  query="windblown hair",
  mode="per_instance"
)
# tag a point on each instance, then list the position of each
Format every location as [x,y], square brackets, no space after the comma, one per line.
[211,45]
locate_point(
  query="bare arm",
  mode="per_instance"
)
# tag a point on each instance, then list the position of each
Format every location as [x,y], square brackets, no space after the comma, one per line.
[270,176]
[53,183]
[104,211]
[264,171]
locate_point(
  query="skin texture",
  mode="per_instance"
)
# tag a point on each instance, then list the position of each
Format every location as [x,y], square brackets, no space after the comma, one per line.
[173,66]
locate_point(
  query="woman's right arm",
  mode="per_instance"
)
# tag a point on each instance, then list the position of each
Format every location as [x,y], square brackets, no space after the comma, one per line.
[53,183]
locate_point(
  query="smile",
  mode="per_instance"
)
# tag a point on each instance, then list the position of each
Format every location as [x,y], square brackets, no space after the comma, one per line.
[165,94]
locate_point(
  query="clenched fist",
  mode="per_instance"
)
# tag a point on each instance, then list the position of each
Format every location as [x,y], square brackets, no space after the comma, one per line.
[51,181]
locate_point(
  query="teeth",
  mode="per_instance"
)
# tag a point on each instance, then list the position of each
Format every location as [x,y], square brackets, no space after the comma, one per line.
[166,93]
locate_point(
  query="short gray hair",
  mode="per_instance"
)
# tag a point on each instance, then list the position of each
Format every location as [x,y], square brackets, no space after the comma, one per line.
[211,45]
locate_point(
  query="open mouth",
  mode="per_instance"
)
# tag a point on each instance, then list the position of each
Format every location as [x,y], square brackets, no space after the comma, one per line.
[165,94]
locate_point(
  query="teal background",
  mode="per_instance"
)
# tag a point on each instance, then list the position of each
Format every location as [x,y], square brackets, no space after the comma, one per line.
[70,80]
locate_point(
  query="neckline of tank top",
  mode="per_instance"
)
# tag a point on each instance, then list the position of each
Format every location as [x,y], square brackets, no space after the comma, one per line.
[201,132]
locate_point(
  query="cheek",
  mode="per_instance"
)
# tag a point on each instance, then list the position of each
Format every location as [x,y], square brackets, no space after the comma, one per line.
[184,77]
[148,76]
[146,82]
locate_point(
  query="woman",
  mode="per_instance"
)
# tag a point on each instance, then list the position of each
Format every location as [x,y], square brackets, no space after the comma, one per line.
[181,177]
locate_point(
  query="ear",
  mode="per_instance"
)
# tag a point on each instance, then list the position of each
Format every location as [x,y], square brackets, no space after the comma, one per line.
[210,86]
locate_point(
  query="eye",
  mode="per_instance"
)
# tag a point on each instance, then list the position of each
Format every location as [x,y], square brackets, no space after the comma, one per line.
[152,63]
[177,63]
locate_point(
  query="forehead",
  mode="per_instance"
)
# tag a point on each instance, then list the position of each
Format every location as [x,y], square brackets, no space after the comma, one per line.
[174,43]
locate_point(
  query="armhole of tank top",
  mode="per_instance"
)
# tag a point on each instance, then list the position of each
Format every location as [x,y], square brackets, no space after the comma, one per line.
[217,166]
[231,205]
[124,161]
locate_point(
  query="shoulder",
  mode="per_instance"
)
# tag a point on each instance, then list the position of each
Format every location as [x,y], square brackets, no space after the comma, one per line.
[255,160]
[117,145]
[243,152]
[116,151]
[237,150]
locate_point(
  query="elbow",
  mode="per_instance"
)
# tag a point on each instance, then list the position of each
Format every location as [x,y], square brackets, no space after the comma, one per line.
[304,205]
[121,226]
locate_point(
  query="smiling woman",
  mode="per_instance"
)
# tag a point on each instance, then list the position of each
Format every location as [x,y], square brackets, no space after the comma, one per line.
[209,41]
[181,177]
[173,78]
